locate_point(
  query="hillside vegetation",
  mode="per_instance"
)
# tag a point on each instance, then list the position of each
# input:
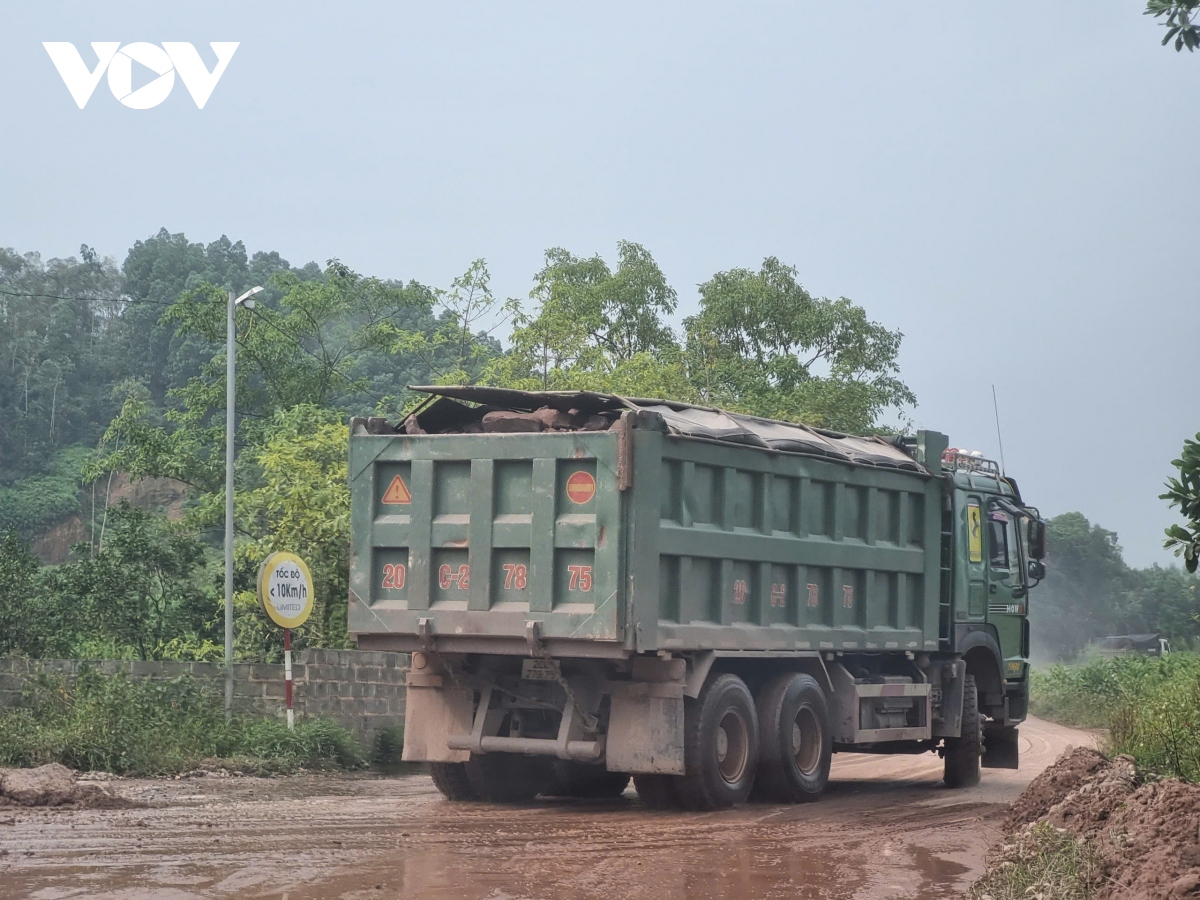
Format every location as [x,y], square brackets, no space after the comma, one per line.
[114,371]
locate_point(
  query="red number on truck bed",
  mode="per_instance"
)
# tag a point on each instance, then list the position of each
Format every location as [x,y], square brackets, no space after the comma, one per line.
[393,577]
[515,576]
[581,578]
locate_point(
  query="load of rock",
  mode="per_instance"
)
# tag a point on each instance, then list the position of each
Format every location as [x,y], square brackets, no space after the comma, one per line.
[503,421]
[1145,832]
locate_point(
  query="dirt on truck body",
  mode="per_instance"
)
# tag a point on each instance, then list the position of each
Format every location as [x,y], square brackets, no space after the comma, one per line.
[595,587]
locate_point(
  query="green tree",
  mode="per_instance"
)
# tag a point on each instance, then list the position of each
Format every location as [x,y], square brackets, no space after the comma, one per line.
[140,591]
[1180,22]
[595,328]
[295,352]
[1183,491]
[300,504]
[33,621]
[454,346]
[57,353]
[763,344]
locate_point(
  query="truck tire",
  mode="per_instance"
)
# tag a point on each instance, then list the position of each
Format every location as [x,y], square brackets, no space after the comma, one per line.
[507,777]
[720,745]
[572,779]
[451,779]
[657,791]
[962,754]
[795,740]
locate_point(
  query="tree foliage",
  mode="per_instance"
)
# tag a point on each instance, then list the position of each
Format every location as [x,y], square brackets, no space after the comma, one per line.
[1179,23]
[1183,491]
[300,504]
[592,327]
[764,344]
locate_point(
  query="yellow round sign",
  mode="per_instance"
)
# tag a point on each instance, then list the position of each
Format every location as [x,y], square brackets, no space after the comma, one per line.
[285,589]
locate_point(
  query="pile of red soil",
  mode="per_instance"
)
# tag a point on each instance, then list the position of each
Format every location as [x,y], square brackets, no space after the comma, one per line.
[1146,833]
[1069,771]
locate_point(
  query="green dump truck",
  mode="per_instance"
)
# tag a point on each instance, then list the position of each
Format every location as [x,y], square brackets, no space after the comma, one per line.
[595,587]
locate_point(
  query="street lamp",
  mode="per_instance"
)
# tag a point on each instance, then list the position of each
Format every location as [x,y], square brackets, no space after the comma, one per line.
[246,300]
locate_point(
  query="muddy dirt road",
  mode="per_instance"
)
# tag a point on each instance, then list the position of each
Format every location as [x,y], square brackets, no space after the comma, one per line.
[886,828]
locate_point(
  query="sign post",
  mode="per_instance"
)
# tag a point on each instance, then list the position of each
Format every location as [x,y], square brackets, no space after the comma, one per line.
[287,676]
[285,592]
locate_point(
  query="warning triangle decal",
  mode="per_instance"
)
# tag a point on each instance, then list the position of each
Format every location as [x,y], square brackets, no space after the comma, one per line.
[397,492]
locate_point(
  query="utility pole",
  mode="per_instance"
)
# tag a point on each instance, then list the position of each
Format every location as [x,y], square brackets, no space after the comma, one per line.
[230,400]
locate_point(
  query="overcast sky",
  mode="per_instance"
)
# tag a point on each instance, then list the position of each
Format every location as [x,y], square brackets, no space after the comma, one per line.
[1008,184]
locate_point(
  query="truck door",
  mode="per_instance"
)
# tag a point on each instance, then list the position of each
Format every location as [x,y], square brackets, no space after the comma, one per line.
[1007,589]
[976,565]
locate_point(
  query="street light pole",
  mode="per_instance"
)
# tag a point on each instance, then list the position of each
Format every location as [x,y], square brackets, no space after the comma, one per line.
[230,399]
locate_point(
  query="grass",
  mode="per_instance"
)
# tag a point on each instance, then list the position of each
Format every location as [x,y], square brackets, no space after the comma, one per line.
[1042,863]
[1149,705]
[114,724]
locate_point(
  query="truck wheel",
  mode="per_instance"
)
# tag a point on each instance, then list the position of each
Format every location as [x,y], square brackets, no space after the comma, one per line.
[962,754]
[795,739]
[657,791]
[451,779]
[720,745]
[572,779]
[507,777]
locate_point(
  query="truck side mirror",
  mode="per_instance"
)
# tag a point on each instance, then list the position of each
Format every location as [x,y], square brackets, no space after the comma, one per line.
[1037,539]
[1037,569]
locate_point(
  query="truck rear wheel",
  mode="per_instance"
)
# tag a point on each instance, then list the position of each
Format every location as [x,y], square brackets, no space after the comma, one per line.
[795,739]
[720,745]
[451,779]
[962,754]
[507,777]
[590,782]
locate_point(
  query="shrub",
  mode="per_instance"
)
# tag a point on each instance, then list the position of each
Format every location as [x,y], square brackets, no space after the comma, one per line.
[1150,706]
[157,727]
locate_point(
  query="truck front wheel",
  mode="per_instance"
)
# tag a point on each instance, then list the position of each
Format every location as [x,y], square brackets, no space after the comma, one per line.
[796,740]
[720,745]
[962,754]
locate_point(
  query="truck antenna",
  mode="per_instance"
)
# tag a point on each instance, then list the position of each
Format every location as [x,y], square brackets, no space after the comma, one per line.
[999,440]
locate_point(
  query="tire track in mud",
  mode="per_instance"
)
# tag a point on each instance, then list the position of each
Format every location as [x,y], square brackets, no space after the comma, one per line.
[886,828]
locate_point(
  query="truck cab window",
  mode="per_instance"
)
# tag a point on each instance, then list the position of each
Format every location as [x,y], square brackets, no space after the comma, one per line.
[998,539]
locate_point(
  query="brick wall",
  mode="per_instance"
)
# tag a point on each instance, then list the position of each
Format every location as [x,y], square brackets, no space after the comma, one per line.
[362,690]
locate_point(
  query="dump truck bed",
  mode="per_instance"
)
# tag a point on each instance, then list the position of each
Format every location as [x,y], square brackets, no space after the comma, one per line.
[674,528]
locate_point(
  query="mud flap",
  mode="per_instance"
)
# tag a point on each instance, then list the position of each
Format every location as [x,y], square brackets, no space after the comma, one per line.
[645,729]
[1000,748]
[432,712]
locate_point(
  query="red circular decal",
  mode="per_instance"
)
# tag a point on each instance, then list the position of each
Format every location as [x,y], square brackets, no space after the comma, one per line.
[581,487]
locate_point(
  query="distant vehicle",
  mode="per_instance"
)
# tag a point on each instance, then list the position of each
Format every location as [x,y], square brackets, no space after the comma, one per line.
[594,587]
[1134,645]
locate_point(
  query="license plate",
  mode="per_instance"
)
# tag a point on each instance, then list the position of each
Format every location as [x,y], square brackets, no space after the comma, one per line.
[538,670]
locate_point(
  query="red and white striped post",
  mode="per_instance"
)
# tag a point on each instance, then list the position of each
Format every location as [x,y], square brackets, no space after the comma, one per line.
[287,675]
[285,593]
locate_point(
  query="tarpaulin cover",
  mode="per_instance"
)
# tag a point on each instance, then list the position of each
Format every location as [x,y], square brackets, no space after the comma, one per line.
[699,422]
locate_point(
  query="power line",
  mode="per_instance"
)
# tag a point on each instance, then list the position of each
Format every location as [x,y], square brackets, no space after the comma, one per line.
[132,301]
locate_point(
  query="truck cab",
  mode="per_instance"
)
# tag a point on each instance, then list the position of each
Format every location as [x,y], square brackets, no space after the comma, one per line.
[994,549]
